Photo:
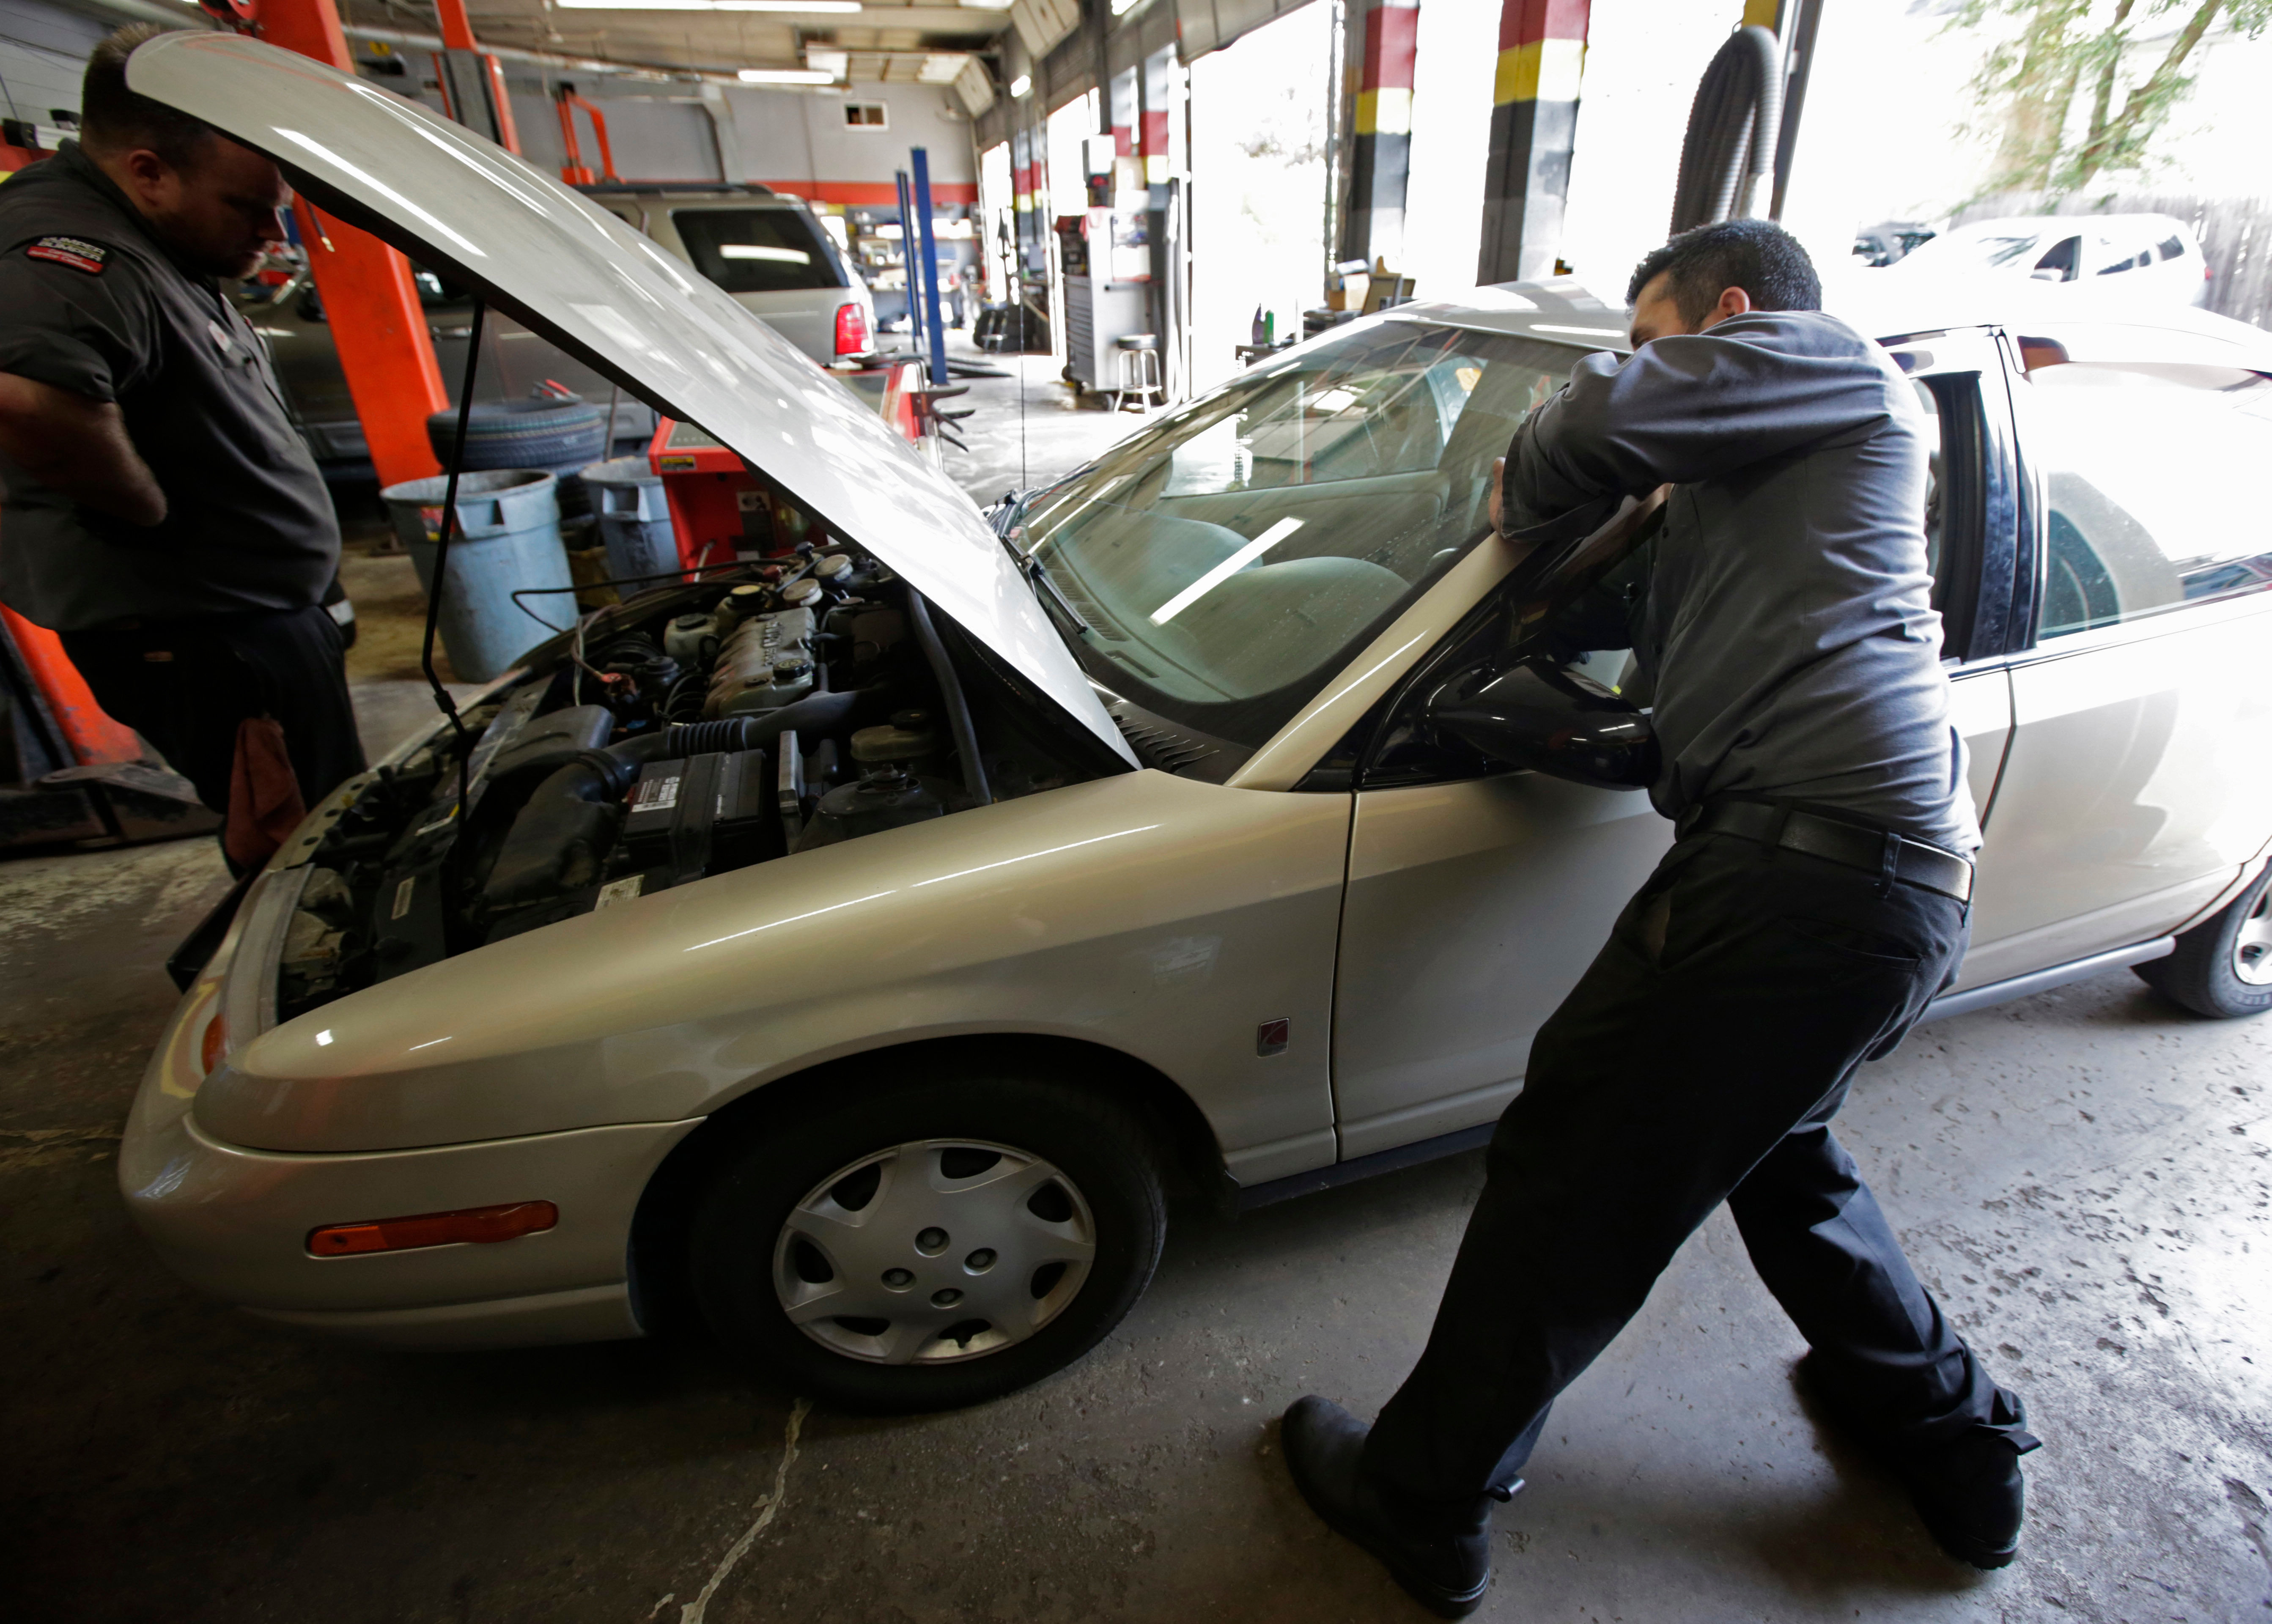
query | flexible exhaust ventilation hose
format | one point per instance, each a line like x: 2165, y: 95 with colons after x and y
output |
x: 1732, y: 126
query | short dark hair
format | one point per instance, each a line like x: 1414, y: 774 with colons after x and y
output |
x: 1758, y: 256
x: 114, y: 119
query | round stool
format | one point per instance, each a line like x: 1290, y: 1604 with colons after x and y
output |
x: 1138, y: 357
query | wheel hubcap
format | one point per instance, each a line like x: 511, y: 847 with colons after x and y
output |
x: 2252, y: 947
x: 934, y: 1250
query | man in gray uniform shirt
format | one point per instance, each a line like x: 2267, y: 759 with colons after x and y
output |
x: 162, y: 512
x: 1815, y: 900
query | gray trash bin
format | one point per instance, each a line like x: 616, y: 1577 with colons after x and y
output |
x: 508, y: 538
x: 634, y: 519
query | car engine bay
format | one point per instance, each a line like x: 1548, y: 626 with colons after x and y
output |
x: 774, y: 708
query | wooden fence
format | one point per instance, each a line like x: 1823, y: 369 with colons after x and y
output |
x: 2235, y: 233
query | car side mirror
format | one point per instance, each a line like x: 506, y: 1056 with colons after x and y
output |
x: 1536, y: 714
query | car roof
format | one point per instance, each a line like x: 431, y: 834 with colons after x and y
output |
x: 1562, y: 311
x: 2060, y: 223
x: 690, y: 190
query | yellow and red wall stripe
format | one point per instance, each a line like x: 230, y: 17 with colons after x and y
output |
x: 1380, y: 153
x: 1541, y: 58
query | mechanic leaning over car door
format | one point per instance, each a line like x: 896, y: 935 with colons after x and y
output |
x: 1814, y: 898
x: 161, y: 512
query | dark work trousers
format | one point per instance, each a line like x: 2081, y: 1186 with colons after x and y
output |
x: 1699, y: 1059
x: 184, y: 685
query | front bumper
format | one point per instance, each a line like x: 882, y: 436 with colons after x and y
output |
x: 234, y: 1222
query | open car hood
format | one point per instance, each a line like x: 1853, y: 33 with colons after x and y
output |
x: 614, y: 299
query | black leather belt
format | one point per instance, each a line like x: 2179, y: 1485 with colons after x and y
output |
x: 1875, y: 851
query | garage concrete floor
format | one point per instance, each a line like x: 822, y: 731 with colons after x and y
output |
x: 1030, y: 427
x: 2083, y: 1177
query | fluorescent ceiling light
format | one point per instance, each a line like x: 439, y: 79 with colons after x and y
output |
x: 988, y: 6
x: 832, y: 7
x: 753, y: 250
x: 786, y: 75
x: 1224, y: 570
x: 1021, y: 85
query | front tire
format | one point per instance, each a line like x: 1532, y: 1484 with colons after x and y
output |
x: 2223, y: 967
x: 929, y: 1244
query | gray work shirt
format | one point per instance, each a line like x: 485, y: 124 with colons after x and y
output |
x: 1786, y: 629
x: 96, y: 306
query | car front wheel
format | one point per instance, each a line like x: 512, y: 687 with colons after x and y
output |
x: 928, y: 1244
x: 2223, y: 967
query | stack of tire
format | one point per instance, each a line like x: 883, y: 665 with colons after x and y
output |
x: 554, y: 430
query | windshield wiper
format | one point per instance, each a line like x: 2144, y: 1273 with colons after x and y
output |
x: 1044, y: 589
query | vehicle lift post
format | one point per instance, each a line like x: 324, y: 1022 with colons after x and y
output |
x: 370, y: 301
x: 922, y: 161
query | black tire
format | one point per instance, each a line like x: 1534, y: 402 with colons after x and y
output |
x: 2208, y: 972
x: 554, y: 435
x: 739, y: 1241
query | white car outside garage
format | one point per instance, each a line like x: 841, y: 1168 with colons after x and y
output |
x: 2141, y: 258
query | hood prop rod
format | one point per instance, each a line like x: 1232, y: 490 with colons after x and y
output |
x: 958, y: 704
x: 449, y: 707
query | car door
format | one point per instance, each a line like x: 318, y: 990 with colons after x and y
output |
x: 1475, y: 902
x: 2139, y: 780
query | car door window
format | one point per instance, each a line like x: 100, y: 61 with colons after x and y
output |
x: 1969, y: 507
x: 2059, y: 264
x: 2137, y: 464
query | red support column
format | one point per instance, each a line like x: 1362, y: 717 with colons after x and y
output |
x: 1380, y: 152
x: 370, y: 301
x: 1542, y: 59
x: 456, y: 28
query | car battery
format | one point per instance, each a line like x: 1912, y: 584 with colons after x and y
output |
x: 691, y: 816
x: 719, y: 511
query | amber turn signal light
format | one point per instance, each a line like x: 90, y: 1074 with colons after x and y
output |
x: 215, y: 1043
x: 478, y: 1224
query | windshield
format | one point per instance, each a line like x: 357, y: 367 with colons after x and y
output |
x: 1231, y: 558
x: 1984, y: 250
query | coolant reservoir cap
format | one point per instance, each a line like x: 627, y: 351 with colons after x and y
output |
x: 799, y: 593
x: 894, y: 742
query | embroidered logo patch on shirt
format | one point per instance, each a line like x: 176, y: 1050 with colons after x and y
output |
x: 74, y: 251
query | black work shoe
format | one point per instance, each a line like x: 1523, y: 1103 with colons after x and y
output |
x: 1969, y: 1492
x: 1971, y: 1497
x: 1438, y: 1551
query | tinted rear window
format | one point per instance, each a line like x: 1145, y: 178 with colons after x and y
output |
x: 756, y: 251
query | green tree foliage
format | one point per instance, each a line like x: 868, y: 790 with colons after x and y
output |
x: 2064, y: 95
